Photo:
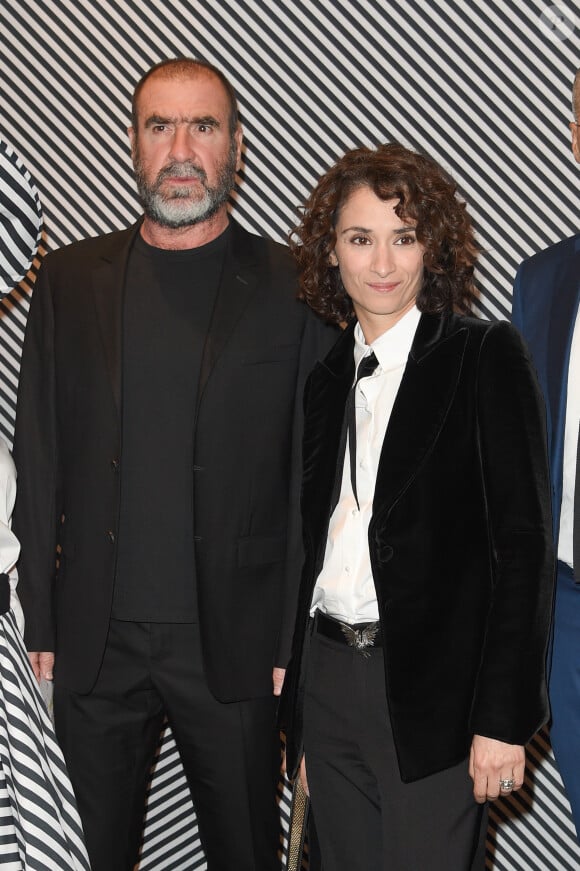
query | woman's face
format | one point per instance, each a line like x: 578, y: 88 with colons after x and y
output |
x: 380, y: 261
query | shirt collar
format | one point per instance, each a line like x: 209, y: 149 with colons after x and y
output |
x: 393, y: 346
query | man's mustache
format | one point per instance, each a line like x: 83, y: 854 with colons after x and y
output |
x: 181, y: 170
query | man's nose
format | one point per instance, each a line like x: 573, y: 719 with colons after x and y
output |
x: 182, y: 144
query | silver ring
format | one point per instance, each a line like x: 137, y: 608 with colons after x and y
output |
x: 506, y: 785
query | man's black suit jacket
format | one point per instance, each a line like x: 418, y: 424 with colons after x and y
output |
x: 459, y: 540
x: 261, y: 345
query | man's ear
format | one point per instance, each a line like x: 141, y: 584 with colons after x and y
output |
x: 575, y: 142
x: 131, y: 135
x: 238, y: 139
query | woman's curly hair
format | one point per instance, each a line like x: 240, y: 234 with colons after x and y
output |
x: 427, y: 197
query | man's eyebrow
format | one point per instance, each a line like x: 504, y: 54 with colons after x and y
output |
x: 208, y: 120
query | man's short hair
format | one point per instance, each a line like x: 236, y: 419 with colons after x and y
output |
x: 183, y: 67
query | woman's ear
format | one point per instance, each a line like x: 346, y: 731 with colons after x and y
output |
x: 332, y: 259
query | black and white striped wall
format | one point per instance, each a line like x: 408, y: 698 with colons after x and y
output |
x: 484, y: 86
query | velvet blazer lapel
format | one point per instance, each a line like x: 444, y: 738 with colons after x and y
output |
x: 108, y: 281
x: 427, y: 389
x: 426, y: 392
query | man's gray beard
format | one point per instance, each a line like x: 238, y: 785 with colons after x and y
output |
x: 177, y: 210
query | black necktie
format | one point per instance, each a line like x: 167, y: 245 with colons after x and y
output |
x: 576, y: 523
x: 366, y: 367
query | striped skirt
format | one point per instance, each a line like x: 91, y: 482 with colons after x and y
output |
x: 40, y: 828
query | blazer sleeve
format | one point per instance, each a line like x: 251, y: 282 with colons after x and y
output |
x: 37, y: 511
x: 510, y: 702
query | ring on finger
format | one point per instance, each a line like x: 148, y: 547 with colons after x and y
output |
x: 506, y: 784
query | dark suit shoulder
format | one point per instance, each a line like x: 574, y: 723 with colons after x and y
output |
x: 549, y: 275
x: 479, y: 325
x: 96, y: 246
x: 553, y: 255
x: 500, y: 334
x: 277, y: 272
x: 251, y: 249
x: 259, y: 243
x: 471, y: 322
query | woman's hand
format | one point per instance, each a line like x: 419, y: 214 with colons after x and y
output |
x: 496, y: 768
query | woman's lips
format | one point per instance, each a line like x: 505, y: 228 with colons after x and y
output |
x: 383, y: 286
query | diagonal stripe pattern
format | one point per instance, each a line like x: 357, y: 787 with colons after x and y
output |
x: 20, y: 219
x: 39, y: 823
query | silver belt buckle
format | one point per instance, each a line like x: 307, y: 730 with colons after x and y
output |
x: 360, y: 639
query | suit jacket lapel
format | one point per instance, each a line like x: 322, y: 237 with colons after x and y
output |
x: 425, y: 394
x: 427, y: 389
x: 238, y: 284
x: 108, y: 286
x: 565, y: 298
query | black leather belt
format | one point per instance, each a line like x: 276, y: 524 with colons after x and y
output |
x: 361, y: 636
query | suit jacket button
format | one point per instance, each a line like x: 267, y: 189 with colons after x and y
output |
x: 111, y: 535
x: 115, y: 465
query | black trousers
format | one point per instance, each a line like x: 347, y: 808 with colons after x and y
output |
x: 230, y: 752
x: 366, y: 818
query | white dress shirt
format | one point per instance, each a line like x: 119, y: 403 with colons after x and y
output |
x: 565, y: 538
x: 345, y: 588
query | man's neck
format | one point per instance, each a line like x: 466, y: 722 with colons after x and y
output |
x: 183, y: 238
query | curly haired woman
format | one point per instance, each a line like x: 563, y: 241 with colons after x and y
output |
x: 417, y: 673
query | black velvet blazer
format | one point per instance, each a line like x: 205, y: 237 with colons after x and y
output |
x: 459, y: 540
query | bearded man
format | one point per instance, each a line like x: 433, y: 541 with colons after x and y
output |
x: 157, y: 443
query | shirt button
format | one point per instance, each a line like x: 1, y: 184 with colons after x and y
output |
x: 347, y: 570
x: 354, y: 512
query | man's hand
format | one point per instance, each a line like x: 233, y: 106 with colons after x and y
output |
x: 42, y: 665
x: 278, y: 680
x: 492, y: 761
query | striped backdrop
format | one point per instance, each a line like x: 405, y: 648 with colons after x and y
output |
x: 482, y: 85
x: 40, y: 827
